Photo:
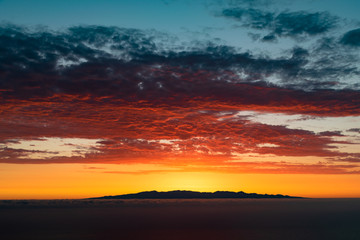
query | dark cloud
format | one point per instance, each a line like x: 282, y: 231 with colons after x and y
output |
x: 356, y: 130
x: 351, y: 158
x: 11, y: 154
x: 253, y: 18
x: 285, y: 24
x: 299, y: 23
x: 269, y: 38
x: 351, y: 38
x: 331, y: 134
x: 332, y: 61
x: 125, y: 66
x: 107, y: 61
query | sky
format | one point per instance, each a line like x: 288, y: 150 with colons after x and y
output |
x: 114, y: 97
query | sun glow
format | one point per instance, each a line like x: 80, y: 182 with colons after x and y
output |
x: 91, y: 180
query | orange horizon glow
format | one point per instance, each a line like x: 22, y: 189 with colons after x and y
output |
x: 73, y: 181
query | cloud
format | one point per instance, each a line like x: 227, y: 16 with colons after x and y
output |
x: 285, y: 24
x: 299, y: 23
x: 158, y: 133
x: 139, y: 101
x: 47, y: 148
x: 356, y: 130
x: 355, y: 158
x: 351, y: 38
x: 102, y: 61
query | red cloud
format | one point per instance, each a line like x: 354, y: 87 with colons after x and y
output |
x: 164, y: 134
x: 178, y: 117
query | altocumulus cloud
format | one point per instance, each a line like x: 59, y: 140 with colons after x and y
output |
x: 135, y: 99
x: 352, y: 38
x: 94, y: 58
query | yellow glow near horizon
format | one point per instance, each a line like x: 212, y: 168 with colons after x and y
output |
x: 57, y: 181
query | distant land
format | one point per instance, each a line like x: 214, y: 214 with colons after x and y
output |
x: 179, y: 194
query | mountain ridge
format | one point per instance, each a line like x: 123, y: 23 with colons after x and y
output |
x: 185, y: 194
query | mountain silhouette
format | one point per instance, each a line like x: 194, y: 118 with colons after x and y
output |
x: 179, y: 194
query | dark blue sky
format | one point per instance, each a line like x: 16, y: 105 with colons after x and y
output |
x: 186, y: 19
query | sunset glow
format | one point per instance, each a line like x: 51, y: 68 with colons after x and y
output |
x: 239, y: 98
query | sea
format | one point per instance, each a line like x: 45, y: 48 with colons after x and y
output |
x: 185, y: 219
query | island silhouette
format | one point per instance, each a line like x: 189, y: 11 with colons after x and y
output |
x: 183, y: 194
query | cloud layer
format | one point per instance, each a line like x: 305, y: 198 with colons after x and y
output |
x: 144, y: 101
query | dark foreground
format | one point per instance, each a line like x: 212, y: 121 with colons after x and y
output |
x: 244, y: 219
x: 181, y: 194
